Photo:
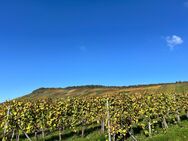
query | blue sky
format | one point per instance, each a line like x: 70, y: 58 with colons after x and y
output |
x: 58, y: 43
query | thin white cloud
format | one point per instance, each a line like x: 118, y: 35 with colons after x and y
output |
x: 186, y: 4
x: 83, y: 48
x: 173, y: 41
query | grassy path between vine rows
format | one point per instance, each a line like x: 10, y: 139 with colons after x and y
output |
x: 173, y: 133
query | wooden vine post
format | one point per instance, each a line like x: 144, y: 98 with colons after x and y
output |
x: 108, y: 120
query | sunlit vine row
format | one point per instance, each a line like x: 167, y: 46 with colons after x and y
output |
x: 126, y: 112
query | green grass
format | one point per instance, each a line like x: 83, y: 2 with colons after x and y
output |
x: 173, y: 133
x: 94, y: 136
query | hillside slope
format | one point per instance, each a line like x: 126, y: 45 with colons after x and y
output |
x: 95, y: 90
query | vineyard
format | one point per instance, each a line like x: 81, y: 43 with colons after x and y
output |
x: 117, y: 115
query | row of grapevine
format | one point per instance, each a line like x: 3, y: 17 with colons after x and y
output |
x: 117, y: 114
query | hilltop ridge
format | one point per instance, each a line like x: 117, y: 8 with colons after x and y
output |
x: 101, y: 90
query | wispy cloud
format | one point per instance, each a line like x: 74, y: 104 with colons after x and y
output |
x: 173, y: 41
x: 83, y: 48
x: 186, y: 4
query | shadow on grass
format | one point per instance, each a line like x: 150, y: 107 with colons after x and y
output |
x: 71, y: 134
x: 56, y: 137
